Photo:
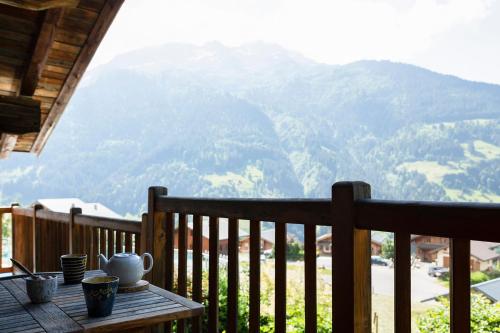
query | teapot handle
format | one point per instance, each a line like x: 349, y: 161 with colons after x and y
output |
x: 146, y: 271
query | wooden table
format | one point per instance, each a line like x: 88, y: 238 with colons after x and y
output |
x: 68, y: 313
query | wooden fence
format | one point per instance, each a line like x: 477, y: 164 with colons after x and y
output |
x: 40, y: 237
x: 351, y: 214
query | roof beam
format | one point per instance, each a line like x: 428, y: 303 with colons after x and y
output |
x: 40, y: 4
x: 7, y: 144
x: 19, y: 115
x: 104, y: 20
x: 40, y: 51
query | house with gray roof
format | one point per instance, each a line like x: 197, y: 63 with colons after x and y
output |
x: 483, y: 256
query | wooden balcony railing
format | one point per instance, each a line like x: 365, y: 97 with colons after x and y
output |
x: 40, y: 237
x: 351, y: 214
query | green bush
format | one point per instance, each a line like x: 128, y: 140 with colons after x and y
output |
x: 294, y: 251
x: 493, y: 274
x: 388, y: 249
x: 485, y: 317
x: 478, y: 277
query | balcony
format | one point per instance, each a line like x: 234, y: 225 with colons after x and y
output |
x: 39, y: 237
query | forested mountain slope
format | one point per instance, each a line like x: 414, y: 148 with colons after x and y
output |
x: 261, y: 121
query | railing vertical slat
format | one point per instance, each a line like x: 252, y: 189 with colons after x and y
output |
x: 402, y: 283
x: 37, y: 240
x: 460, y: 286
x: 102, y: 242
x: 169, y: 258
x: 128, y: 242
x: 213, y: 276
x: 88, y: 246
x: 60, y: 245
x: 119, y: 241
x: 351, y: 274
x: 182, y: 265
x: 232, y: 276
x: 137, y: 243
x: 95, y: 247
x: 169, y: 252
x: 280, y: 279
x: 310, y: 278
x: 254, y: 315
x: 197, y: 267
x: 111, y: 242
x: 73, y: 231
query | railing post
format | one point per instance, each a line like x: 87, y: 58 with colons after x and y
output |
x: 153, y: 240
x: 351, y: 261
x: 71, y: 229
x: 36, y: 247
x: 460, y: 285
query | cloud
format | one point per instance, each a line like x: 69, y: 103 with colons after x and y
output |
x: 332, y: 31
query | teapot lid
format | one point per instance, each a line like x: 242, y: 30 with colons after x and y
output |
x: 124, y: 255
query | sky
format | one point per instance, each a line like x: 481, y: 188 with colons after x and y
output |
x: 459, y: 37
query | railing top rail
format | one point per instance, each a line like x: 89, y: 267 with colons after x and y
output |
x: 109, y: 223
x: 22, y: 211
x: 81, y: 219
x: 4, y: 210
x: 477, y: 221
x: 300, y: 211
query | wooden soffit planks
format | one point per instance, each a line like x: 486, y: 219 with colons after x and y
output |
x: 40, y: 4
x: 41, y: 51
x: 102, y: 23
x: 19, y: 115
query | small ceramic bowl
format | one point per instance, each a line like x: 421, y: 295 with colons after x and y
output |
x: 41, y: 290
x: 100, y: 294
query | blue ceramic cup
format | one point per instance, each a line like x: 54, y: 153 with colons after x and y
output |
x: 100, y: 294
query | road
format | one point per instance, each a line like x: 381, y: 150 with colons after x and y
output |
x: 422, y: 285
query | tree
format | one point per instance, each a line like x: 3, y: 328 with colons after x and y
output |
x: 388, y: 248
x: 294, y: 250
x: 485, y: 317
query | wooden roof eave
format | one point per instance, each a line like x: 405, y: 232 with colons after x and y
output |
x: 100, y: 28
x: 45, y: 47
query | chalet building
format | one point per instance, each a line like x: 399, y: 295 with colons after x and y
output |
x: 267, y: 238
x: 324, y: 244
x: 376, y: 243
x: 65, y: 205
x: 223, y: 237
x: 426, y: 248
x: 483, y: 256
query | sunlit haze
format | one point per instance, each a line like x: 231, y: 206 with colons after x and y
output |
x: 458, y: 37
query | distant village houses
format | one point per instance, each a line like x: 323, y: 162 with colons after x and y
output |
x: 223, y: 237
x: 266, y: 241
x: 426, y: 248
x: 324, y: 244
x: 483, y: 256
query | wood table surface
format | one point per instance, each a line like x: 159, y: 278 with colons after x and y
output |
x: 68, y: 313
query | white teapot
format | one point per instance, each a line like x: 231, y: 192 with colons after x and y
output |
x: 129, y: 267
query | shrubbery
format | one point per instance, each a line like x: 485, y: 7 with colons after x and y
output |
x: 485, y: 317
x: 388, y: 249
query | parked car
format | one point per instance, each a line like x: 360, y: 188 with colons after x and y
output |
x: 437, y: 271
x: 377, y: 260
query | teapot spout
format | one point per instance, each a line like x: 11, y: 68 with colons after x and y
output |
x: 103, y: 262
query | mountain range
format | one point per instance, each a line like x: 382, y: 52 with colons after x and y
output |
x: 262, y: 121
